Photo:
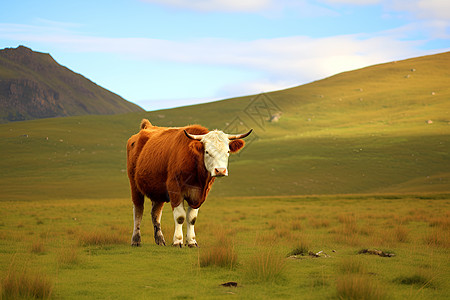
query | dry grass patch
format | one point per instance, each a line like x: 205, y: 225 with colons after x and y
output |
x: 266, y: 239
x: 358, y: 286
x: 283, y: 233
x: 102, y: 238
x: 437, y: 238
x: 319, y: 223
x: 352, y: 265
x: 221, y: 254
x: 68, y: 256
x: 296, y: 225
x: 347, y: 239
x: 265, y: 266
x: 37, y: 247
x: 443, y: 222
x: 21, y: 283
x: 348, y: 225
x: 400, y: 234
x: 346, y: 218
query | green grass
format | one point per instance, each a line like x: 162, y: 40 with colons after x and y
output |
x: 114, y: 269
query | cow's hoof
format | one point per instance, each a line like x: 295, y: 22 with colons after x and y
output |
x: 136, y: 240
x: 194, y: 245
x: 177, y: 245
x: 159, y: 240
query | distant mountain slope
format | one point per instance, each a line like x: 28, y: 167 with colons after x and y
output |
x: 401, y: 93
x: 33, y: 85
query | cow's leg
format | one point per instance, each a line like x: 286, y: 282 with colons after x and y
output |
x: 156, y: 219
x: 179, y: 215
x: 138, y: 211
x: 191, y: 218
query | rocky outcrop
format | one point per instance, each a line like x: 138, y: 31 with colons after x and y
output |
x: 33, y: 85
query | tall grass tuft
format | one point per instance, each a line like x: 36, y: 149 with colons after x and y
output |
x: 101, y: 238
x: 358, y: 286
x: 221, y: 254
x: 443, y: 222
x: 68, y: 256
x: 348, y: 231
x: 319, y: 223
x: 352, y: 265
x: 438, y: 238
x: 21, y: 283
x: 296, y: 225
x: 265, y: 266
x: 401, y: 233
x: 37, y: 247
x: 302, y: 248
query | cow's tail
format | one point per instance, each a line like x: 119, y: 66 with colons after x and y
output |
x: 145, y: 124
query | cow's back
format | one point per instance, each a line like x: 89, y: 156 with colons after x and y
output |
x: 148, y: 160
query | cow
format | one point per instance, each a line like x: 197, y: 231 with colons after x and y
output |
x: 176, y: 164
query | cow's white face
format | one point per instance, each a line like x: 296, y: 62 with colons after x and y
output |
x: 217, y: 151
x: 217, y: 146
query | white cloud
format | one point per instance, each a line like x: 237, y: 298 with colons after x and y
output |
x: 287, y: 60
x: 353, y: 2
x: 216, y: 5
x: 424, y: 9
x: 268, y: 8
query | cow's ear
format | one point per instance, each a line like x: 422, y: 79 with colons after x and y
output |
x: 196, y: 147
x: 236, y: 145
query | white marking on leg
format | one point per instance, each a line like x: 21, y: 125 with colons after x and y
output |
x: 191, y: 218
x: 179, y: 215
x: 137, y: 214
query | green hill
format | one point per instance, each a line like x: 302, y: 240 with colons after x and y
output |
x: 381, y: 129
x: 33, y: 85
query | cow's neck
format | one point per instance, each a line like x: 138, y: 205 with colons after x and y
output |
x: 201, y: 186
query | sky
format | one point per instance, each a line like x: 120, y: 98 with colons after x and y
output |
x: 168, y: 53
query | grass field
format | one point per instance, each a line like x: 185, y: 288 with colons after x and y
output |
x: 80, y: 248
x: 351, y: 166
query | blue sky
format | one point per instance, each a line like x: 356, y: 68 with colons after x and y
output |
x: 168, y: 53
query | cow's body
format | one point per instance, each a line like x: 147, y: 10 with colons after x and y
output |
x: 169, y: 165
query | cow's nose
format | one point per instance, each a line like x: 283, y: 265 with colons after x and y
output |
x: 220, y: 172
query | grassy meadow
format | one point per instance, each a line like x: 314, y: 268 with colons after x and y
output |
x: 351, y: 166
x: 80, y: 249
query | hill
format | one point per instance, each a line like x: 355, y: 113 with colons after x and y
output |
x: 380, y: 129
x: 33, y: 85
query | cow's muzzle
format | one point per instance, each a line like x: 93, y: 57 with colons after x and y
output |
x: 220, y: 172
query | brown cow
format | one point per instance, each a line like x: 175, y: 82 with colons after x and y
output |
x: 169, y: 164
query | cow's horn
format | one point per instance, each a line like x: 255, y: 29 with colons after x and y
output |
x: 239, y: 136
x: 193, y: 136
